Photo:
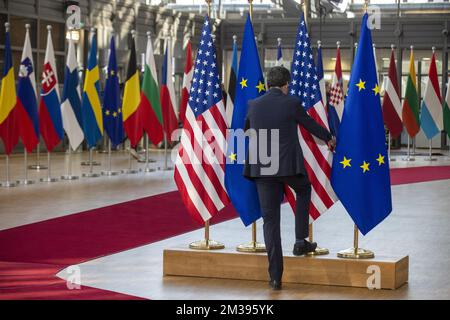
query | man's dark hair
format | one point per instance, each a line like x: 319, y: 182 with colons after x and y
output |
x: 278, y: 76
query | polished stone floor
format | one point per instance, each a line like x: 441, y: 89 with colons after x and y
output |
x: 418, y: 226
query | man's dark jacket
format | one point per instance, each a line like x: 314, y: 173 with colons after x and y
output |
x: 275, y: 110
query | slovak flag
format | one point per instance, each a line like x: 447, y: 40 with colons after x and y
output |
x: 50, y: 120
x: 27, y: 98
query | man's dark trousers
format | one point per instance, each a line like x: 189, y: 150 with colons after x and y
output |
x: 270, y: 191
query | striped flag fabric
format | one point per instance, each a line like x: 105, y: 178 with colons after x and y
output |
x: 50, y: 119
x: 187, y: 78
x: 9, y: 131
x: 279, y: 61
x: 167, y: 94
x: 410, y: 109
x: 150, y: 104
x: 446, y: 110
x: 232, y: 83
x: 336, y: 99
x: 112, y: 103
x: 323, y: 92
x: 318, y: 159
x: 431, y: 118
x: 27, y: 111
x: 199, y: 171
x: 392, y: 105
x: 91, y: 107
x: 132, y: 121
x: 71, y: 101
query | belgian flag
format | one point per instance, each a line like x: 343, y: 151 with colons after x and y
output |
x: 132, y: 121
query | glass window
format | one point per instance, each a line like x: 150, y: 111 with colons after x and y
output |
x: 58, y: 35
x: 18, y: 31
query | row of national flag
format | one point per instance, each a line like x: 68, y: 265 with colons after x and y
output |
x: 85, y: 115
x: 208, y: 172
x: 433, y: 115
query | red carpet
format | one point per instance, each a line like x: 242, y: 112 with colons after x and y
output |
x: 419, y: 174
x: 31, y: 255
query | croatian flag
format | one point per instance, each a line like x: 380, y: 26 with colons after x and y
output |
x: 71, y: 105
x: 27, y: 98
x: 431, y: 118
x: 50, y: 121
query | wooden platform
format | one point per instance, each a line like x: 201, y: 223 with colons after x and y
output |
x: 323, y: 270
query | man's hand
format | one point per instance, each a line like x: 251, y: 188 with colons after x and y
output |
x: 331, y: 144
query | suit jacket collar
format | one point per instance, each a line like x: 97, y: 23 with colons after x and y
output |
x: 276, y: 91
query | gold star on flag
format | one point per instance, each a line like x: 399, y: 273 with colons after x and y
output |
x: 260, y: 87
x: 232, y: 157
x: 114, y: 114
x: 112, y: 72
x: 107, y: 112
x: 243, y: 83
x: 346, y: 163
x: 119, y: 110
x: 361, y: 85
x: 380, y: 159
x: 376, y: 90
x: 365, y: 166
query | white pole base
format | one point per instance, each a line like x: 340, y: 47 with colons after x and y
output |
x: 8, y: 184
x: 110, y: 173
x: 49, y: 179
x: 69, y: 177
x: 90, y: 175
x: 37, y: 167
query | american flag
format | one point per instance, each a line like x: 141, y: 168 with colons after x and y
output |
x: 318, y: 159
x: 200, y: 163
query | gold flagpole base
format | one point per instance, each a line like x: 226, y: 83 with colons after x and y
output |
x: 359, y: 253
x: 206, y: 245
x: 251, y: 247
x: 319, y: 252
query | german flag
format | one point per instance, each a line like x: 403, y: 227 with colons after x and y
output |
x: 9, y: 131
x: 132, y: 121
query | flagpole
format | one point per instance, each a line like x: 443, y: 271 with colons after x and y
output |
x: 25, y: 167
x: 356, y: 252
x: 69, y: 175
x: 91, y: 173
x: 389, y: 148
x: 147, y: 160
x: 7, y: 183
x: 206, y: 243
x: 254, y: 245
x: 109, y: 172
x: 37, y: 166
x: 49, y: 177
x: 430, y: 158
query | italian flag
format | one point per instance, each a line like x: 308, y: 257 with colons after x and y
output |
x: 410, y: 111
x: 150, y: 104
x: 446, y: 107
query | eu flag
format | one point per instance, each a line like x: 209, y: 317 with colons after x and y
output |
x: 249, y: 85
x: 112, y: 113
x: 360, y: 173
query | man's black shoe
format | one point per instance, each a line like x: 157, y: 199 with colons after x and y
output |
x: 307, y: 247
x: 275, y: 285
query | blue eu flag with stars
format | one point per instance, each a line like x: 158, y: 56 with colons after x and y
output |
x: 360, y: 173
x: 249, y: 85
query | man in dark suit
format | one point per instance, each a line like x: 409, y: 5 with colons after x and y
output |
x: 273, y: 112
